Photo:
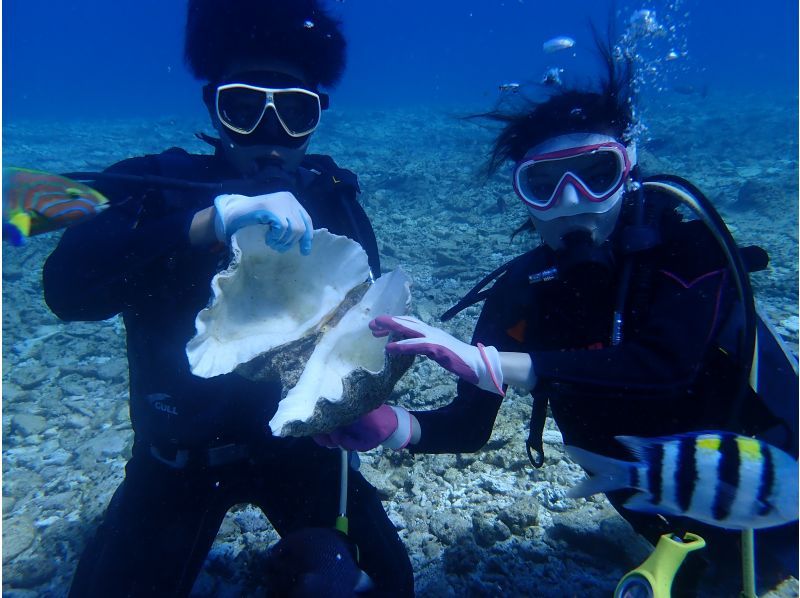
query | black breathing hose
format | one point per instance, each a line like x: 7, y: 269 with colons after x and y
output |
x: 694, y: 199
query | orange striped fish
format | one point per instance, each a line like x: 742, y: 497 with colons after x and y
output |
x: 37, y: 202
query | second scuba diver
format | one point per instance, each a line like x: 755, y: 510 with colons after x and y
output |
x: 626, y: 319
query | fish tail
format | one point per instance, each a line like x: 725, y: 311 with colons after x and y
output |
x: 22, y: 222
x: 607, y: 474
x: 12, y: 235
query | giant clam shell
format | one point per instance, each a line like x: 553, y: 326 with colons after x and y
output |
x: 302, y: 320
x: 265, y: 299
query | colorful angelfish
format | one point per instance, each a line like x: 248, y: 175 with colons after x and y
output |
x: 37, y: 202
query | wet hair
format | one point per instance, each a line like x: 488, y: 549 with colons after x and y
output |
x: 571, y: 110
x: 220, y: 33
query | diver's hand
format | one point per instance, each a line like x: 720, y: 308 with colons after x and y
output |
x: 388, y: 426
x: 288, y: 221
x: 478, y: 365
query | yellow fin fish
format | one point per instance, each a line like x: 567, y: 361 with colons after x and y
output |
x: 37, y: 202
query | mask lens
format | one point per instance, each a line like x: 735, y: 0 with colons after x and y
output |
x: 539, y: 180
x: 599, y: 170
x: 299, y: 111
x: 241, y: 107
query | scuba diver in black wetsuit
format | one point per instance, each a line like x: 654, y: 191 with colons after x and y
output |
x: 628, y: 319
x: 202, y: 446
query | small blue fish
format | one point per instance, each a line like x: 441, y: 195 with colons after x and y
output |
x: 561, y: 42
x: 719, y: 478
x: 509, y: 87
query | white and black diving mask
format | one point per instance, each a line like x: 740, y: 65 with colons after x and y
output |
x: 264, y: 119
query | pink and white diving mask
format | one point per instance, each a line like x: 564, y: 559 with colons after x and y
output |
x: 595, y: 168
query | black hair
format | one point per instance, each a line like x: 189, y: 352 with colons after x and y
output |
x: 298, y: 32
x: 609, y: 110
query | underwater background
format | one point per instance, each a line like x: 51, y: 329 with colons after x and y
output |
x: 90, y: 82
x: 95, y: 58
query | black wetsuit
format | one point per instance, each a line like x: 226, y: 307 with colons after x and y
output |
x: 201, y: 445
x: 668, y: 376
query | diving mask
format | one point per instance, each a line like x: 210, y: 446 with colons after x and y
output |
x: 241, y: 107
x: 595, y: 171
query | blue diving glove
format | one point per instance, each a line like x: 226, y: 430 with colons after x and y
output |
x: 288, y: 221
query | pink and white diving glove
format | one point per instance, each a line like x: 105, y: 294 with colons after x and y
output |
x: 478, y: 365
x: 387, y: 426
x: 288, y: 221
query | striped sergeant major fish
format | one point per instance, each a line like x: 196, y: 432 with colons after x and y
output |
x: 37, y: 202
x: 719, y: 478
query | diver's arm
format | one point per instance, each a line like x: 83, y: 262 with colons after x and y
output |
x: 96, y: 269
x: 465, y: 425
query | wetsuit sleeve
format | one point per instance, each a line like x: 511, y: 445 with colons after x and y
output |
x: 97, y: 266
x: 465, y: 425
x: 664, y: 356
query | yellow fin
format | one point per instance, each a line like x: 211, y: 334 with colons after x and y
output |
x: 749, y: 448
x: 23, y: 222
x: 708, y: 442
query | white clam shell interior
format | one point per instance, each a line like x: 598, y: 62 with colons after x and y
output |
x: 348, y: 346
x: 265, y: 299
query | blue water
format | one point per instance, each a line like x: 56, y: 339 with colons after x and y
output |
x: 77, y: 76
x: 101, y: 58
